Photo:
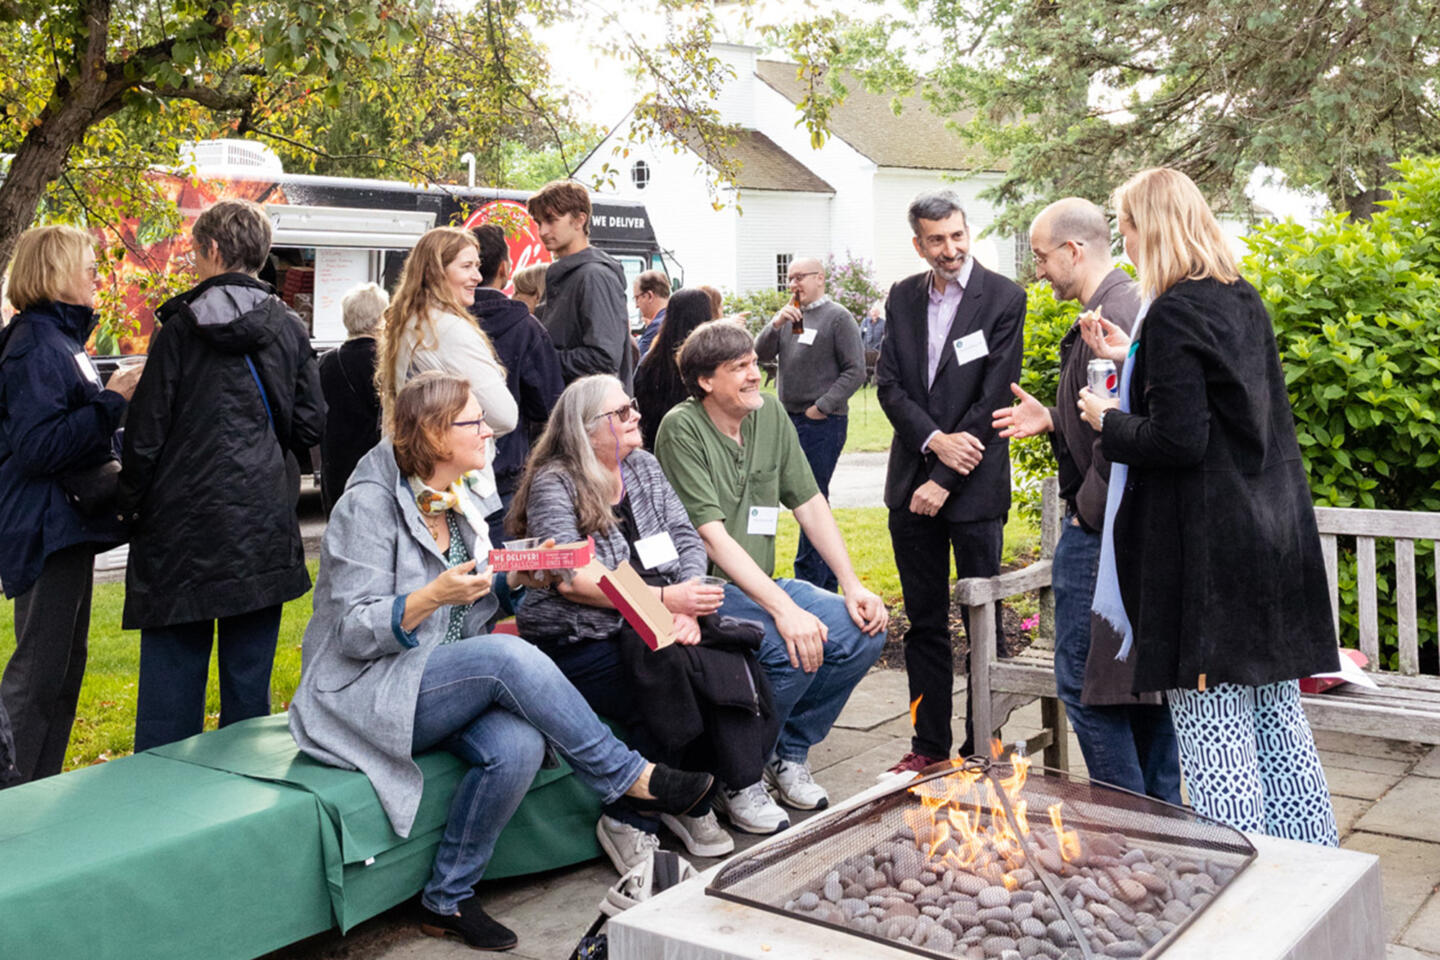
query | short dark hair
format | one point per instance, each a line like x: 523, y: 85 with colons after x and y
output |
x: 934, y: 205
x: 708, y: 347
x: 240, y: 231
x: 653, y: 281
x: 493, y: 251
x: 560, y: 198
x: 423, y: 411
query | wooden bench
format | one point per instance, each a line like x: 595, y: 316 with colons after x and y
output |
x: 1405, y: 707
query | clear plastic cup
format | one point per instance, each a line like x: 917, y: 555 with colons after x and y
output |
x: 708, y: 581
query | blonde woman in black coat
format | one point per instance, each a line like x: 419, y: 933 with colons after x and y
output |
x: 1210, y: 560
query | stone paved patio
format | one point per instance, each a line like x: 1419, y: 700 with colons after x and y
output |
x: 1386, y: 793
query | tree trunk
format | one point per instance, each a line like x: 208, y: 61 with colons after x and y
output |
x: 1366, y: 203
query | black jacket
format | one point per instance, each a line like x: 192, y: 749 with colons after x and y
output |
x: 708, y: 703
x: 1215, y: 541
x: 1083, y: 470
x: 586, y: 315
x: 210, y: 486
x: 352, y: 413
x: 532, y: 372
x: 54, y: 417
x: 961, y: 397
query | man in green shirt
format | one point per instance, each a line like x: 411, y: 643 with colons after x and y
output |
x: 734, y: 458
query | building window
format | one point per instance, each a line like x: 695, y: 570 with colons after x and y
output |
x: 782, y: 270
x: 640, y: 174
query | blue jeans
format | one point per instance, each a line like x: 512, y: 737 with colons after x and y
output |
x: 1129, y: 745
x: 822, y: 441
x: 807, y: 703
x: 494, y: 701
x: 175, y: 666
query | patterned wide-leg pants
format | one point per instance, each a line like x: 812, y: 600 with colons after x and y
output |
x: 1250, y: 760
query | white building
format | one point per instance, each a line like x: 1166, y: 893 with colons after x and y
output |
x: 791, y: 200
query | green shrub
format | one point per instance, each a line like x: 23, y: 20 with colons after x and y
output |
x: 1354, y: 305
x: 760, y: 304
x: 1033, y: 459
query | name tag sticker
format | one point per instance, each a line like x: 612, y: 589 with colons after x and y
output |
x: 87, y: 367
x: 970, y: 347
x: 763, y: 521
x: 807, y: 337
x: 656, y: 550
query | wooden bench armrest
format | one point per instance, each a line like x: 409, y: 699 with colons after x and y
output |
x: 973, y: 591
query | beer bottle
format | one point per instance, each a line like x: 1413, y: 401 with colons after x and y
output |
x: 797, y: 326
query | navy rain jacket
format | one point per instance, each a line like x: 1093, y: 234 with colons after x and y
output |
x: 54, y: 417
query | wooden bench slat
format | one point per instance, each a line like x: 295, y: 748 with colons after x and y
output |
x: 1365, y: 581
x: 1378, y: 523
x: 1405, y: 606
x: 1330, y: 551
x: 978, y: 591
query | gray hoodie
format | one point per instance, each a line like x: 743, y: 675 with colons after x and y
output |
x: 585, y: 315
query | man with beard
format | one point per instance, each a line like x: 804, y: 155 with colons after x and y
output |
x: 954, y: 336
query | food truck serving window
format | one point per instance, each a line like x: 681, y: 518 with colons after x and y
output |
x: 319, y: 254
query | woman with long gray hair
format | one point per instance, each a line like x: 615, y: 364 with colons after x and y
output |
x: 590, y: 477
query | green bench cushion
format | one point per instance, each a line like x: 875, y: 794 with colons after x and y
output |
x: 233, y: 843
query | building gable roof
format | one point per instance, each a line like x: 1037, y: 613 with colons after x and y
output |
x: 763, y: 165
x: 915, y: 138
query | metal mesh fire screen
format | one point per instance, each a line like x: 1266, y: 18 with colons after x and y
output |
x: 998, y: 859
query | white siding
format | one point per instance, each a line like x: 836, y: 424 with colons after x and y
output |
x: 700, y: 238
x: 837, y: 163
x: 772, y: 223
x: 895, y: 187
x: 736, y: 102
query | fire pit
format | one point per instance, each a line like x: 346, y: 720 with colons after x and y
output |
x: 998, y: 860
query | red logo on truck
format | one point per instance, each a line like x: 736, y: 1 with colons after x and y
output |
x: 522, y: 234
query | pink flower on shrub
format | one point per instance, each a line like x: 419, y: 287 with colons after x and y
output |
x: 1030, y: 623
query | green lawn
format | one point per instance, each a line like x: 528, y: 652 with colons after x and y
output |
x: 868, y: 431
x: 105, y: 721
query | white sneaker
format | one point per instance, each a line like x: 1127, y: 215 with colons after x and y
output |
x: 626, y: 846
x: 702, y: 836
x: 795, y: 786
x: 751, y: 809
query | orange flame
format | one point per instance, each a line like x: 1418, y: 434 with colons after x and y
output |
x: 1069, y: 840
x: 915, y: 707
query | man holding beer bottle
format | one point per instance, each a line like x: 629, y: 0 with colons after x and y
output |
x: 821, y: 364
x: 1127, y: 740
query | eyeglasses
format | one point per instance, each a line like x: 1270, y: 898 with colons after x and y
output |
x: 625, y: 414
x: 797, y: 277
x: 1039, y: 258
x: 479, y: 425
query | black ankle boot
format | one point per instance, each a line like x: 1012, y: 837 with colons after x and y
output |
x: 472, y: 924
x: 676, y: 792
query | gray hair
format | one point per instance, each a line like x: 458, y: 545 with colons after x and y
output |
x: 708, y: 346
x: 934, y: 205
x: 362, y: 307
x: 240, y: 231
x: 565, y: 445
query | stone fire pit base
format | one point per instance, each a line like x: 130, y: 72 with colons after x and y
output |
x: 1297, y: 901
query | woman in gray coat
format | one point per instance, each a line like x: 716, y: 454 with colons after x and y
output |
x: 395, y: 661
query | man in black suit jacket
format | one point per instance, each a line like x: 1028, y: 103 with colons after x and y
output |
x: 953, y: 342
